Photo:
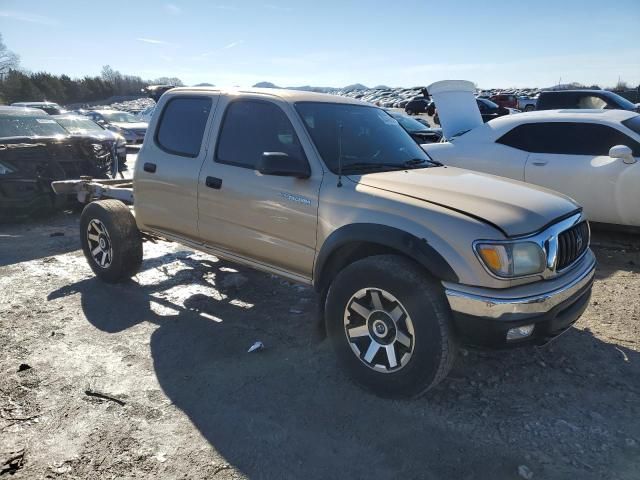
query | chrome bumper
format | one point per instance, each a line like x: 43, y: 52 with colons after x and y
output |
x: 503, y: 306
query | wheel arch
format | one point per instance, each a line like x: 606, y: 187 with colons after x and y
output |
x: 356, y: 241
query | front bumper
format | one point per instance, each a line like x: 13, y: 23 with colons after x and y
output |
x: 484, y: 316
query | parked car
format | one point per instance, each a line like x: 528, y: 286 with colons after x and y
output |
x: 84, y: 127
x: 408, y: 257
x: 506, y: 100
x: 589, y: 155
x: 571, y: 99
x: 34, y: 151
x: 146, y: 114
x: 420, y: 132
x: 123, y: 123
x: 50, y: 107
x: 527, y: 104
x: 417, y: 105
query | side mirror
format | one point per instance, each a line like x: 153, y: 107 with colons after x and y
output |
x: 623, y: 152
x: 282, y: 165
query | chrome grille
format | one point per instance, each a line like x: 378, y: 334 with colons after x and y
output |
x: 572, y: 243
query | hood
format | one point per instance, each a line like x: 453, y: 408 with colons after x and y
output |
x: 131, y: 126
x: 513, y: 207
x: 457, y: 106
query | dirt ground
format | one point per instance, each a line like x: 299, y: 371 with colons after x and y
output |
x: 152, y: 379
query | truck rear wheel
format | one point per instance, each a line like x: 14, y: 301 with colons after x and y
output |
x: 111, y: 241
x: 390, y: 326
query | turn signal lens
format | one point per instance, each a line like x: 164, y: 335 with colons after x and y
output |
x: 512, y: 260
x: 495, y: 257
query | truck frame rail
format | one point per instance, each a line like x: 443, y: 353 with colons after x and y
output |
x: 88, y: 189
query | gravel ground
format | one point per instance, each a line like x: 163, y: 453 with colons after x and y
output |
x: 152, y: 379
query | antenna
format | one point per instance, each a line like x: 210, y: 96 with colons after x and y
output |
x: 339, y: 154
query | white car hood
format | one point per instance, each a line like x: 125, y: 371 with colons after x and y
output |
x: 457, y: 106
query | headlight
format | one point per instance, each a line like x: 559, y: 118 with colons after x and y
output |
x: 511, y: 260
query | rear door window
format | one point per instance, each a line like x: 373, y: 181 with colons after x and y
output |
x: 182, y: 125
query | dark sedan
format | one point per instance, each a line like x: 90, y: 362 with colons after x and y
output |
x: 420, y: 132
x: 81, y: 126
x: 34, y: 151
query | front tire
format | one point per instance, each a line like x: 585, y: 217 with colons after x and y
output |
x: 390, y: 326
x: 111, y: 241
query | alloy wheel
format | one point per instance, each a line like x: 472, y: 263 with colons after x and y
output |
x: 99, y: 243
x: 379, y: 330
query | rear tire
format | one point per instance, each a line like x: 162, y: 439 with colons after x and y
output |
x: 390, y: 325
x: 409, y: 111
x: 111, y: 241
x: 529, y: 108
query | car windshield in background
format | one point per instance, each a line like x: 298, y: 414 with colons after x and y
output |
x: 25, y: 126
x: 491, y: 105
x: 633, y: 123
x: 623, y: 102
x: 409, y: 123
x: 79, y: 126
x: 120, y: 117
x: 368, y: 137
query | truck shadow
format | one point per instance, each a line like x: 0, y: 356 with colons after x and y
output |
x: 288, y: 412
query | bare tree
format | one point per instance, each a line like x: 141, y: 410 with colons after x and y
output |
x: 8, y: 59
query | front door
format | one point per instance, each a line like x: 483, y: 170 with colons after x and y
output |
x: 266, y: 219
x: 573, y: 158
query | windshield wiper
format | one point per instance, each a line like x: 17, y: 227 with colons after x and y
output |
x: 419, y: 161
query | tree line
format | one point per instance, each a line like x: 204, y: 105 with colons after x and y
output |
x: 17, y: 85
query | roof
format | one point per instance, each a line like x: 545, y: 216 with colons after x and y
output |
x: 291, y: 96
x: 25, y: 111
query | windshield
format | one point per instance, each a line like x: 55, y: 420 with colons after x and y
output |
x: 621, y: 101
x: 119, y: 117
x: 488, y: 103
x: 366, y: 136
x: 25, y: 126
x: 408, y: 123
x: 79, y: 126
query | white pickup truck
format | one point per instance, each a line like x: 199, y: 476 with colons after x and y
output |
x: 409, y: 258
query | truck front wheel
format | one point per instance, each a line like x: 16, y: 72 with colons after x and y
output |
x: 111, y: 241
x: 390, y: 326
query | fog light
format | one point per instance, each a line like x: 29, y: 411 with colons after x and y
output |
x: 519, y: 332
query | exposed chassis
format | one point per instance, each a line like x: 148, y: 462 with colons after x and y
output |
x: 88, y: 189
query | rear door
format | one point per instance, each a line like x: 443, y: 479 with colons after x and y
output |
x: 266, y: 219
x: 168, y: 165
x: 573, y: 158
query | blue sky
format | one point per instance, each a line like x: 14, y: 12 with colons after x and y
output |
x: 332, y: 43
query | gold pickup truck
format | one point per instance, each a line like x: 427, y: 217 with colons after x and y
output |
x: 409, y: 258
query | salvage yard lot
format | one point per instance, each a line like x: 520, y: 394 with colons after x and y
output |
x: 152, y: 378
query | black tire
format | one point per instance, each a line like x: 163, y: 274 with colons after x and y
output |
x: 120, y: 247
x: 408, y: 111
x: 422, y: 298
x: 529, y: 108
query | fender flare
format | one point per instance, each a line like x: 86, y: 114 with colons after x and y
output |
x: 404, y: 242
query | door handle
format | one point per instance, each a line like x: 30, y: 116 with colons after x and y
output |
x: 540, y: 163
x: 213, y: 182
x: 150, y: 167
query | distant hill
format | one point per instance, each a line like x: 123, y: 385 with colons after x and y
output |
x: 265, y: 85
x: 204, y: 85
x: 355, y: 86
